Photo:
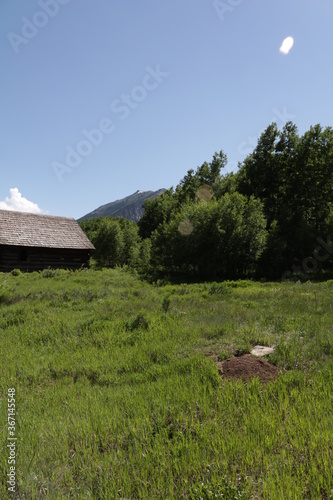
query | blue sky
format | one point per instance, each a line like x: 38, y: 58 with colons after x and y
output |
x: 165, y: 84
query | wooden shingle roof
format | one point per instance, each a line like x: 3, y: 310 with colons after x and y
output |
x: 31, y: 230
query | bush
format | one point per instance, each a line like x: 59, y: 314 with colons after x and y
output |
x: 139, y: 322
x: 49, y: 273
x: 166, y: 303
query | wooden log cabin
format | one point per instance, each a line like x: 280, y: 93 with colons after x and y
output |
x: 31, y: 242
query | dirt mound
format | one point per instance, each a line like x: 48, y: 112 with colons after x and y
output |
x: 247, y: 367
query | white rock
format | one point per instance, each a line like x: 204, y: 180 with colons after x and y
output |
x: 261, y: 350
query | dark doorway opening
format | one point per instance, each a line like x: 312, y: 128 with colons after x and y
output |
x: 23, y: 255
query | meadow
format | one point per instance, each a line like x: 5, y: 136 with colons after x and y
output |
x: 118, y: 394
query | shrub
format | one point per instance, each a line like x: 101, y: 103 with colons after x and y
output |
x: 139, y: 322
x: 49, y: 273
x: 166, y: 303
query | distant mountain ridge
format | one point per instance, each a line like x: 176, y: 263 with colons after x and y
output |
x: 130, y: 207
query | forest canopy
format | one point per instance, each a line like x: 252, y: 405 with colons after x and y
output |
x: 271, y: 219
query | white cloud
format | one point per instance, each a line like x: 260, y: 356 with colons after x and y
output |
x: 18, y: 203
x: 287, y: 45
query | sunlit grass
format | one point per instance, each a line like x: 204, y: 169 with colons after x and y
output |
x: 118, y: 395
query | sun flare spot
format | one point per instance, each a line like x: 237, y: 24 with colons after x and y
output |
x: 287, y: 45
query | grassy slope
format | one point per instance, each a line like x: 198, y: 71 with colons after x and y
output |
x: 117, y: 396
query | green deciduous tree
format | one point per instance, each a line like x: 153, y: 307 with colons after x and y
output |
x: 218, y: 239
x: 116, y: 240
x: 156, y: 211
x: 108, y: 242
x: 208, y: 174
x: 293, y: 177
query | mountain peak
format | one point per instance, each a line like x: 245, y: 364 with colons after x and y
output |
x: 130, y: 207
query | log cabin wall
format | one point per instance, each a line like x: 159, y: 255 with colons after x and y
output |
x: 37, y: 259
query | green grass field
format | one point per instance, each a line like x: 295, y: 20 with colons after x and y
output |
x: 118, y: 395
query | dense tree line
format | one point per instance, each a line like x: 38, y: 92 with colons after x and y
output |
x: 117, y: 243
x: 261, y: 221
x: 293, y: 177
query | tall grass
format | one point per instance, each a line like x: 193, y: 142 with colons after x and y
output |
x: 118, y: 395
